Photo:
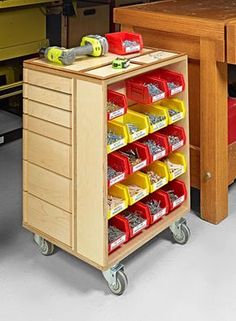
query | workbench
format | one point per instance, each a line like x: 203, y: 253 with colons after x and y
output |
x: 206, y: 32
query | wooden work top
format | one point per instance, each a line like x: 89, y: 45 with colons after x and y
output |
x: 223, y: 10
x: 189, y: 19
x: 101, y: 68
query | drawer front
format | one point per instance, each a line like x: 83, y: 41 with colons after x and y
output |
x: 48, y: 153
x: 50, y: 130
x: 48, y: 186
x: 48, y: 219
x: 42, y: 79
x: 47, y: 96
x: 48, y: 113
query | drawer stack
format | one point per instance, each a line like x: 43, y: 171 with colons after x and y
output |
x: 48, y: 154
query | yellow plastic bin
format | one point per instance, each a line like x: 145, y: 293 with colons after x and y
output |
x: 155, y: 110
x: 140, y: 180
x: 178, y: 159
x: 177, y: 105
x: 161, y: 170
x: 119, y: 191
x: 119, y: 129
x: 139, y: 120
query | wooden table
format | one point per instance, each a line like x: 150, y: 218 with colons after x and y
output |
x: 206, y: 31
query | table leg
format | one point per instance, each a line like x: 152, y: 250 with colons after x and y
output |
x: 213, y: 134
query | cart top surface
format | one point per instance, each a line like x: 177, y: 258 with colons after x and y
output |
x: 101, y: 67
x: 222, y: 10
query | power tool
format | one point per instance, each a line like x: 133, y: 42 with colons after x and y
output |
x: 92, y: 45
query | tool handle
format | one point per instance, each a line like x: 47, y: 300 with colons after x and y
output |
x: 84, y: 50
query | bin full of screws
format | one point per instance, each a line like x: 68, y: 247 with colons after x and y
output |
x: 114, y: 202
x: 174, y: 87
x: 113, y: 137
x: 154, y: 91
x: 156, y: 150
x: 136, y: 192
x: 155, y: 119
x: 132, y: 128
x: 134, y: 158
x: 174, y: 198
x: 153, y: 177
x: 174, y: 169
x: 112, y: 107
x: 136, y: 221
x: 156, y: 210
x: 115, y: 237
x: 175, y: 142
x: 130, y: 46
x: 114, y: 176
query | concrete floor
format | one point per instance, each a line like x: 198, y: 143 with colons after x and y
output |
x: 167, y: 282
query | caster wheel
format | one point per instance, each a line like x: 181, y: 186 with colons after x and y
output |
x: 121, y: 283
x: 46, y: 248
x: 183, y: 235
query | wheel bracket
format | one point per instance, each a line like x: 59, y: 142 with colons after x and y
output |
x: 111, y: 274
x: 176, y: 226
x: 38, y: 239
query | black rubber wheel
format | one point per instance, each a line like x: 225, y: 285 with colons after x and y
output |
x: 121, y: 283
x: 183, y: 236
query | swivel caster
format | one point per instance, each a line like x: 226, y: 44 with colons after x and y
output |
x: 46, y: 248
x: 116, y: 279
x: 180, y: 231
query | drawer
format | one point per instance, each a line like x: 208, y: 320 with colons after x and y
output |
x: 42, y: 79
x: 48, y: 113
x: 47, y: 153
x: 47, y: 96
x: 50, y: 130
x: 48, y: 186
x: 48, y: 219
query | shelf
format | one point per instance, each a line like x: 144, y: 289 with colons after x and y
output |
x: 147, y: 235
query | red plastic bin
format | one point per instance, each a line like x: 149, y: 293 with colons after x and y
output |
x: 170, y: 76
x: 158, y: 196
x: 136, y: 91
x: 142, y: 211
x: 123, y: 226
x: 179, y: 189
x: 231, y: 120
x: 118, y: 99
x: 115, y: 41
x: 159, y: 139
x: 143, y: 154
x: 120, y: 164
x: 173, y: 130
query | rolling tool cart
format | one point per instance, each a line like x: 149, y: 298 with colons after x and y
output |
x: 101, y: 204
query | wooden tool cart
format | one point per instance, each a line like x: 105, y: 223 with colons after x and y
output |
x: 205, y: 31
x: 65, y: 157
